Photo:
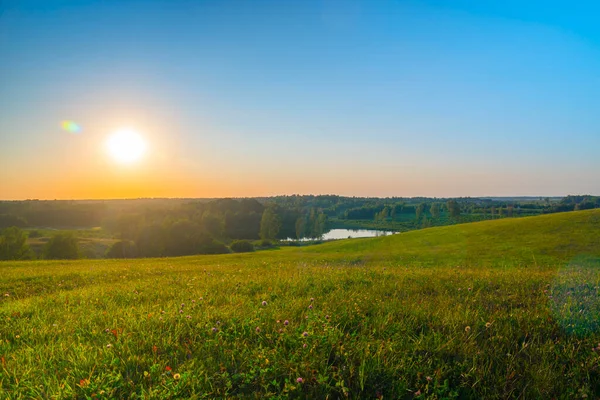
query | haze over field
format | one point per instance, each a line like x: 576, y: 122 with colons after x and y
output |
x: 234, y: 98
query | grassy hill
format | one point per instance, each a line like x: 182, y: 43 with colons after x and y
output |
x: 495, y: 309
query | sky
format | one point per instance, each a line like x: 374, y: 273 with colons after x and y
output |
x: 259, y: 98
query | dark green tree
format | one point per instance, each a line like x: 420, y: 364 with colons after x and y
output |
x: 242, y: 246
x: 62, y: 246
x: 13, y: 244
x: 419, y: 209
x: 122, y: 249
x: 453, y: 208
x: 300, y: 227
x: 270, y: 224
x: 435, y: 210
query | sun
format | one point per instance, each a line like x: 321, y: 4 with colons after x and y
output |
x: 126, y: 146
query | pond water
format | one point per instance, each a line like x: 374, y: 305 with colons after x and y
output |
x: 335, y: 234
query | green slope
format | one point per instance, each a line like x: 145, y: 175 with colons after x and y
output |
x: 537, y: 240
x: 498, y: 309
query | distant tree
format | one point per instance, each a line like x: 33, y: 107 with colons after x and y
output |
x: 435, y: 210
x: 151, y: 240
x: 300, y: 227
x: 393, y: 213
x: 320, y: 226
x: 510, y: 210
x: 419, y: 210
x: 62, y: 246
x: 241, y: 246
x: 8, y: 220
x: 385, y: 213
x: 500, y: 212
x: 122, y: 249
x: 213, y: 224
x: 182, y: 238
x: 270, y: 224
x: 13, y: 244
x: 493, y: 211
x: 453, y: 208
x: 128, y: 225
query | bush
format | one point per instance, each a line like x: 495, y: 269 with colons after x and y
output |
x: 242, y: 246
x: 62, y: 246
x: 122, y: 249
x: 13, y: 244
x: 208, y: 245
x: 266, y: 243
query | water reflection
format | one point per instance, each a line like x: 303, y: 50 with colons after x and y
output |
x: 336, y: 234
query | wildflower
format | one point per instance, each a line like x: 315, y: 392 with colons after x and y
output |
x: 304, y: 345
x: 188, y: 316
x: 299, y: 380
x: 280, y: 330
x: 264, y: 303
x: 218, y: 322
x: 201, y: 298
x: 429, y: 378
x: 108, y: 346
x: 418, y: 393
x: 278, y: 321
x: 193, y: 301
x: 214, y: 330
x: 470, y: 289
x: 467, y: 329
x: 162, y: 311
x: 168, y: 368
x: 312, y: 299
x: 488, y: 324
x: 180, y: 311
x: 107, y: 330
x: 257, y: 329
x: 310, y: 307
x: 305, y: 334
x: 6, y: 295
x: 327, y: 317
x: 176, y: 376
x: 286, y: 322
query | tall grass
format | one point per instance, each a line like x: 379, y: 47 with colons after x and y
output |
x: 498, y: 309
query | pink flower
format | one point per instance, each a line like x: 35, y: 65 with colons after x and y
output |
x: 299, y: 380
x: 304, y: 346
x: 214, y: 330
x: 257, y: 329
x: 305, y: 334
x: 286, y: 322
x: 310, y: 307
x: 264, y: 303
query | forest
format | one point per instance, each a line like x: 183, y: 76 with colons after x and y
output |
x: 177, y: 227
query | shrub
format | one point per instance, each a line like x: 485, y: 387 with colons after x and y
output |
x: 266, y: 243
x: 122, y: 249
x: 62, y: 246
x: 242, y: 246
x: 13, y: 244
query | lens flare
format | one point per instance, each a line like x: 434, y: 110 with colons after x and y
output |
x: 70, y: 126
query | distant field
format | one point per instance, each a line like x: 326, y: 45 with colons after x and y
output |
x: 496, y: 309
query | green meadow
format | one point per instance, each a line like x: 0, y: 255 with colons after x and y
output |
x: 497, y: 309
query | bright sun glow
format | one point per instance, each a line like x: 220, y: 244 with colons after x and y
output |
x: 126, y: 146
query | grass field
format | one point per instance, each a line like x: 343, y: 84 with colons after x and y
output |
x: 496, y: 309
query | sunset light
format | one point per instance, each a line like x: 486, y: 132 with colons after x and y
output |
x: 126, y: 146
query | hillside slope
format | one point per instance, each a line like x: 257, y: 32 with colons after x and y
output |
x: 415, y: 315
x: 539, y: 240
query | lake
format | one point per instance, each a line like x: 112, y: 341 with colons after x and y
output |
x: 336, y: 234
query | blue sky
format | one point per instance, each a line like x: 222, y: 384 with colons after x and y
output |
x: 245, y: 98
